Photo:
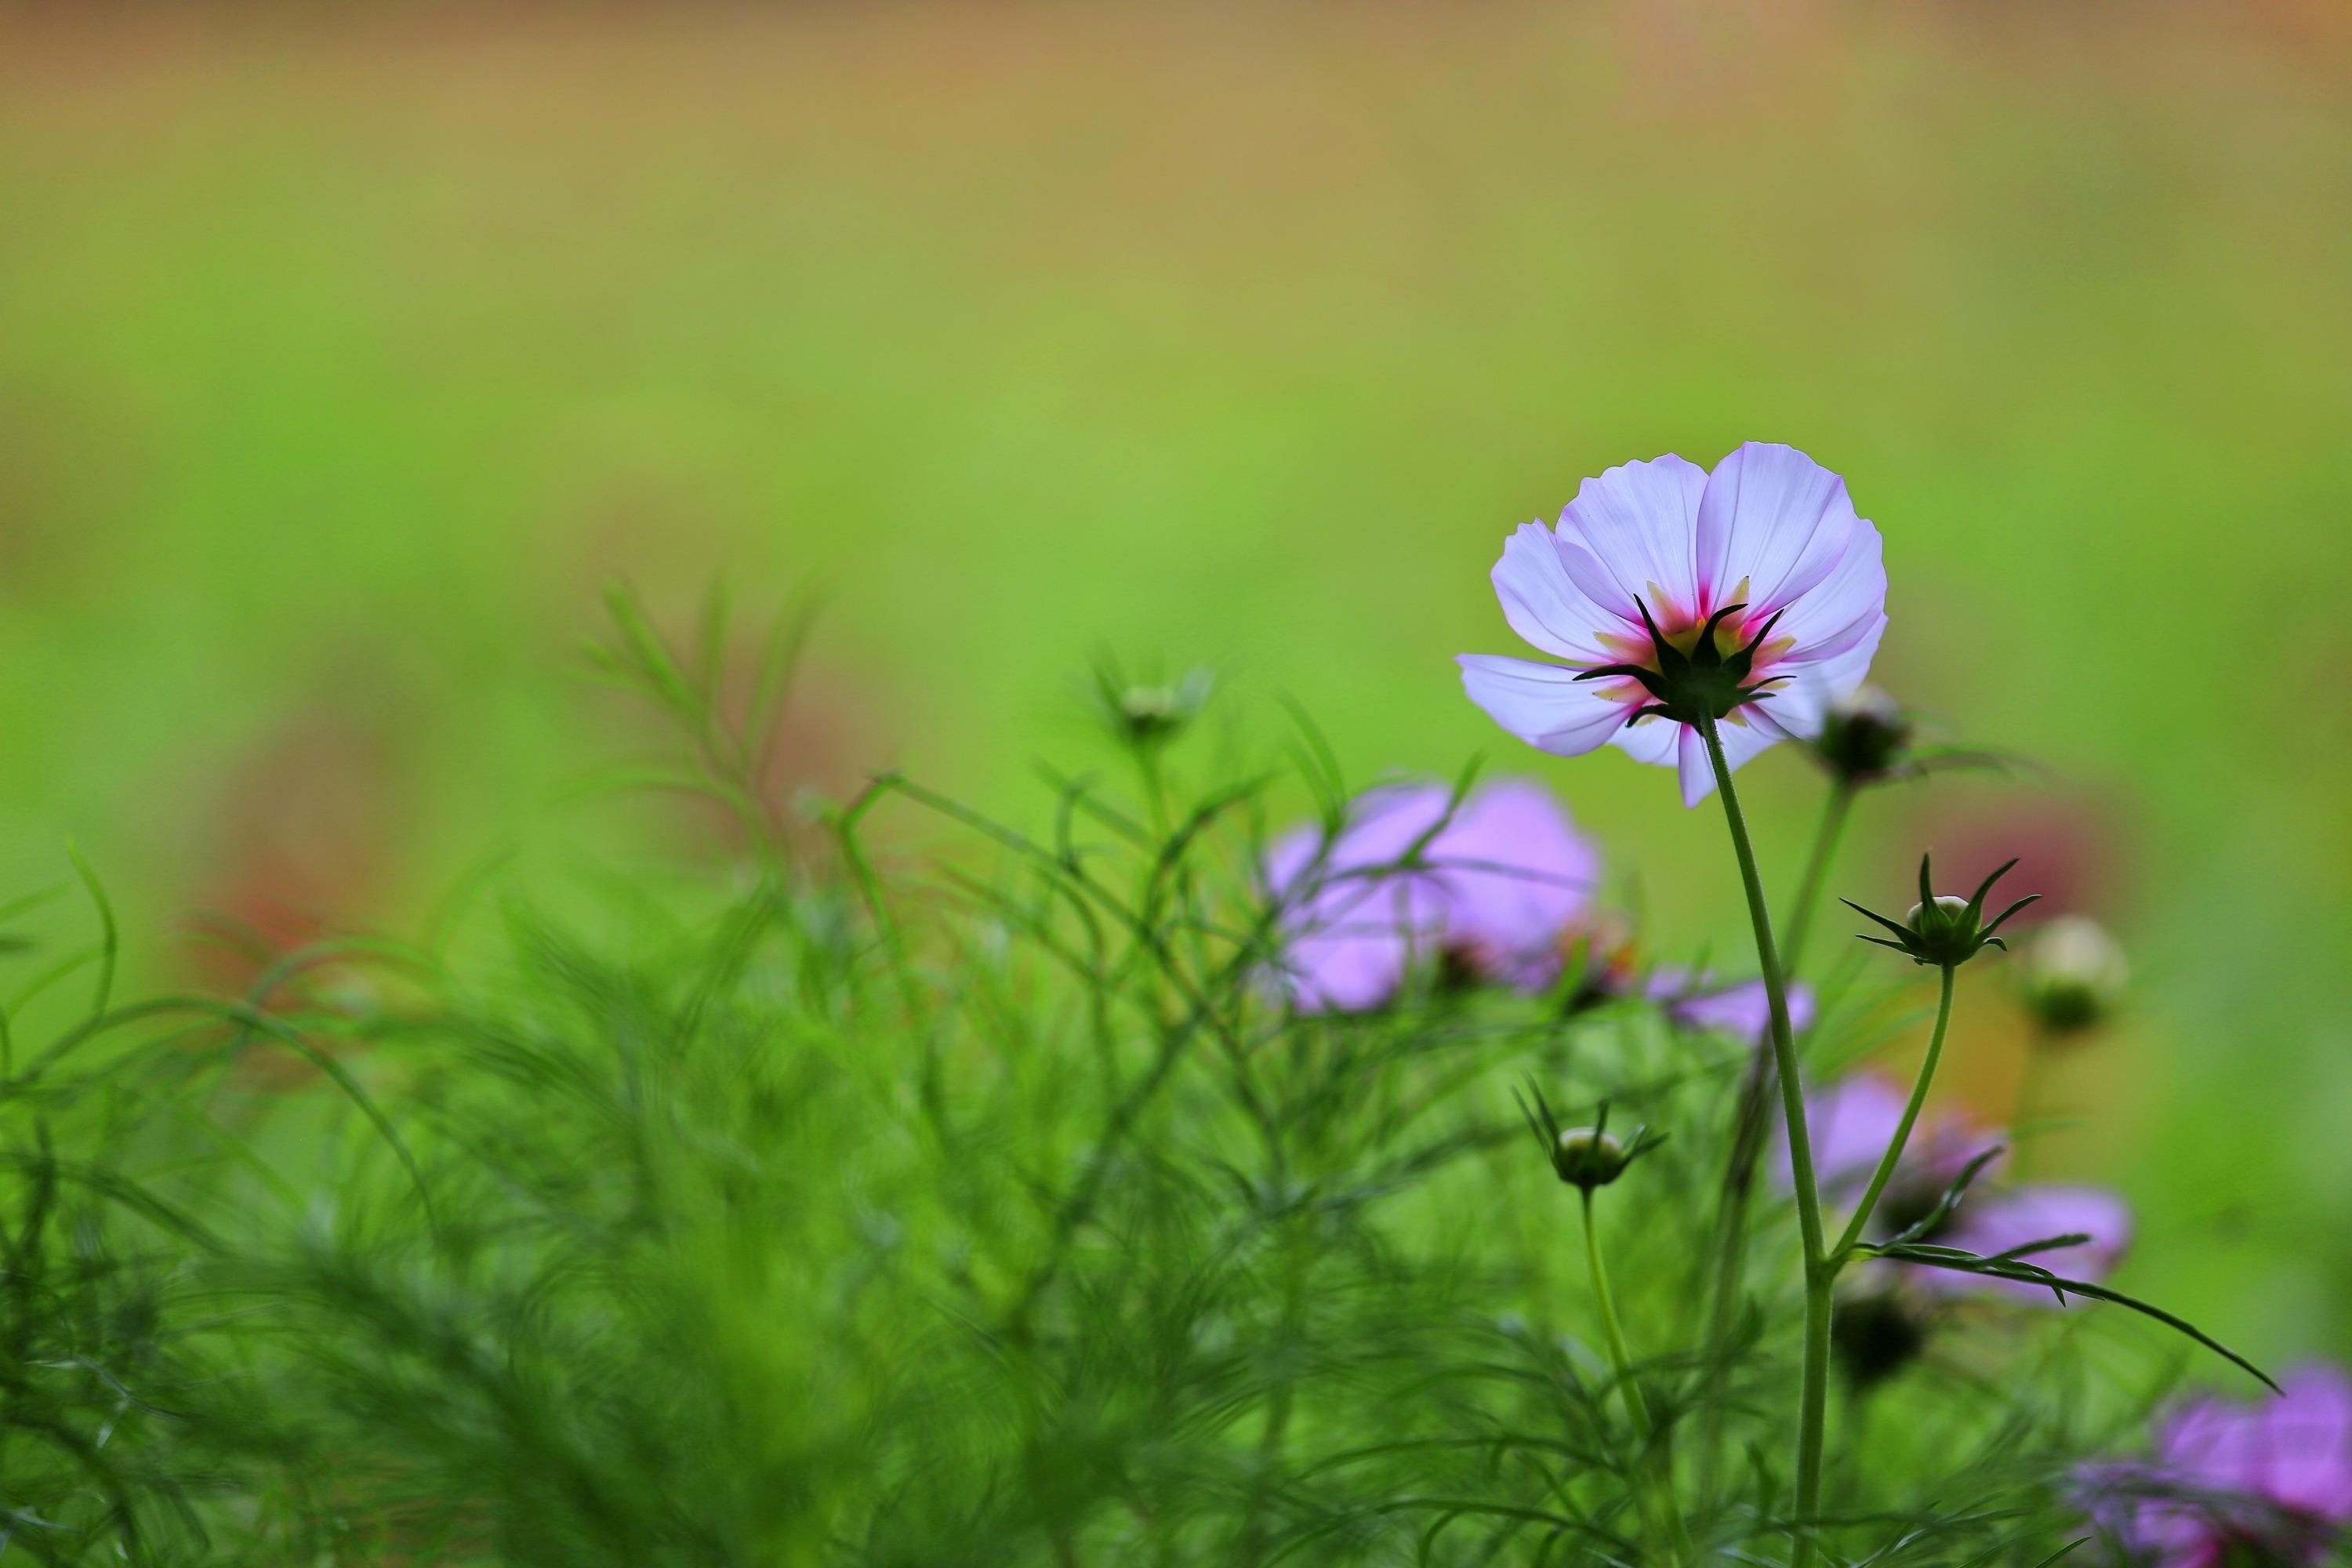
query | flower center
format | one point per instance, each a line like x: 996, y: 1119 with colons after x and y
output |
x: 1682, y: 630
x: 1693, y: 666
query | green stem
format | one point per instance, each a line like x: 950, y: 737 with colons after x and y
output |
x: 1749, y: 1121
x: 1894, y: 1155
x: 1813, y: 1401
x: 1636, y: 1406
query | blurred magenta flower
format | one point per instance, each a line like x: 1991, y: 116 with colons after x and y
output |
x: 1490, y: 891
x: 1666, y: 543
x: 1995, y: 1222
x: 1600, y: 948
x: 2232, y: 1482
x: 1853, y: 1119
x: 1741, y: 1009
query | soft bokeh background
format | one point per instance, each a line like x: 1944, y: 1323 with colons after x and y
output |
x: 343, y: 361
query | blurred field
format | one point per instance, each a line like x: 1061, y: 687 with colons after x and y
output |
x: 342, y: 365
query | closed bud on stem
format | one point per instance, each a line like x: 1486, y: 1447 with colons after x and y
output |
x: 2074, y: 975
x: 1587, y: 1157
x: 1583, y: 1157
x: 1149, y: 713
x: 1948, y: 907
x: 1943, y: 930
x: 1866, y: 737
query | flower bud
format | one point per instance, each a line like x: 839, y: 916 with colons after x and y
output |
x: 1943, y: 930
x: 1583, y: 1157
x: 1587, y: 1157
x: 1145, y: 714
x: 2074, y: 975
x: 1150, y: 711
x: 1951, y: 906
x: 1864, y: 736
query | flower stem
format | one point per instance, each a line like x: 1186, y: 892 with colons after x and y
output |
x: 1813, y: 1400
x: 1636, y: 1406
x: 1749, y: 1120
x: 1894, y: 1155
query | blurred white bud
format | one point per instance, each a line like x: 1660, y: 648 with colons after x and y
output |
x: 2074, y: 975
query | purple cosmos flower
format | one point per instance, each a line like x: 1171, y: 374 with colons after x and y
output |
x: 1491, y: 891
x: 2230, y: 1482
x: 1853, y: 1119
x: 1996, y: 1222
x: 1743, y: 1009
x: 1600, y: 948
x: 1771, y: 530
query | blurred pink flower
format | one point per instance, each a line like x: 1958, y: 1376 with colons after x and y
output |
x: 1741, y: 1009
x: 1771, y: 530
x: 1995, y: 1222
x: 1491, y: 891
x: 2230, y: 1482
x: 1854, y: 1118
x: 1852, y: 1121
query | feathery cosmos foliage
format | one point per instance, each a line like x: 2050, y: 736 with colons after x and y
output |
x: 1044, y: 1197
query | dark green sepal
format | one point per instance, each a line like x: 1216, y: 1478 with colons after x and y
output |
x: 1695, y: 687
x: 1945, y: 931
x: 1583, y: 1157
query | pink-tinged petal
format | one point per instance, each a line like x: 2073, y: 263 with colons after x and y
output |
x: 1542, y: 704
x: 1772, y: 518
x: 1846, y: 610
x: 1852, y: 1121
x: 2271, y: 1474
x: 1344, y: 973
x: 1329, y: 965
x: 1514, y: 873
x: 2304, y: 1444
x: 2211, y: 1445
x: 2143, y: 1508
x: 1543, y: 604
x: 1800, y: 706
x: 1388, y: 820
x: 1495, y: 882
x: 1350, y: 932
x: 1697, y: 769
x: 1744, y: 738
x: 1637, y: 521
x: 1742, y: 1010
x: 1652, y: 740
x: 1997, y: 1223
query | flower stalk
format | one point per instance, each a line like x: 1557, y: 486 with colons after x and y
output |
x: 1637, y: 1407
x: 1587, y: 1158
x: 1813, y: 1398
x: 1751, y: 1117
x: 1894, y: 1155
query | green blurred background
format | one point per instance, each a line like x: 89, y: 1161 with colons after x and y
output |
x: 343, y: 361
